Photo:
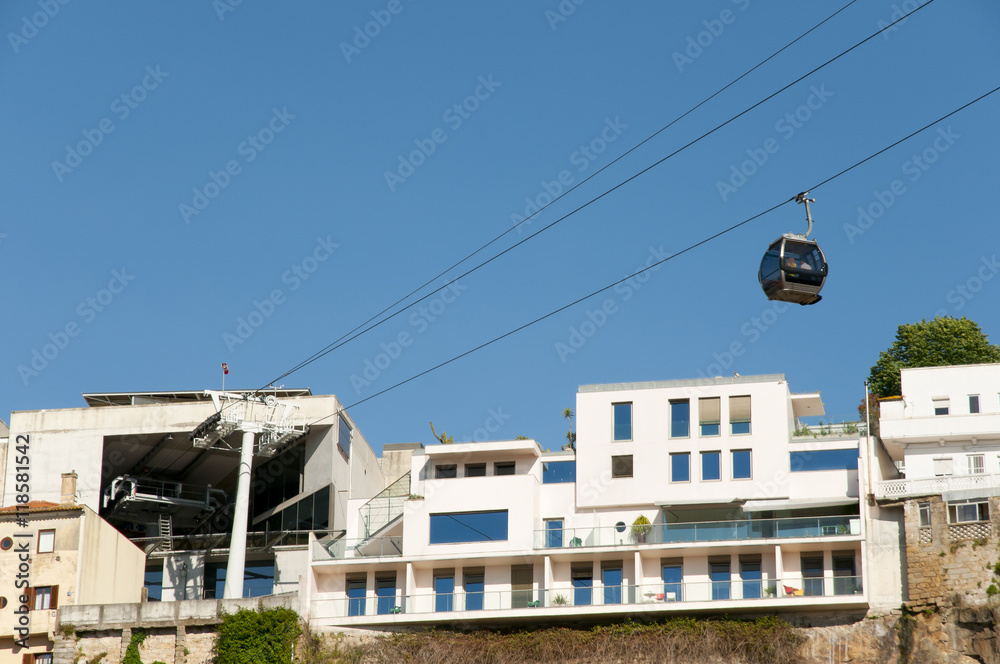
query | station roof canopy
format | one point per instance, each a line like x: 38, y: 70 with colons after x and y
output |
x: 96, y: 399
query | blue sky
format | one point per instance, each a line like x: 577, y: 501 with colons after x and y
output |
x: 195, y: 183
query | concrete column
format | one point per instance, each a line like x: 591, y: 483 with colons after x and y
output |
x: 409, y: 586
x: 639, y: 579
x: 828, y: 572
x: 238, y: 543
x: 547, y: 581
x: 180, y: 642
x: 779, y: 571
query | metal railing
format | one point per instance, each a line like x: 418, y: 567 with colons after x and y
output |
x: 371, y: 547
x: 386, y: 506
x: 932, y: 485
x: 705, y: 531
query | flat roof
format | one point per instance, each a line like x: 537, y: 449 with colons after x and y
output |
x: 685, y: 382
x: 95, y: 399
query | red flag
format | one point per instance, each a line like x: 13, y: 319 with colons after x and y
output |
x: 225, y: 369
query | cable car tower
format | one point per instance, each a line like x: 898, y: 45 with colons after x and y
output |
x: 794, y: 268
x: 268, y: 426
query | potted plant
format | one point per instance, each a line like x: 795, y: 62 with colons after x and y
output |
x: 640, y: 528
x: 770, y: 591
x: 559, y: 600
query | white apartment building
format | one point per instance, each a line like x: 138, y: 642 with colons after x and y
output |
x: 691, y: 496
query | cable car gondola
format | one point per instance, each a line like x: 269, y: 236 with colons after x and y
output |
x: 794, y: 268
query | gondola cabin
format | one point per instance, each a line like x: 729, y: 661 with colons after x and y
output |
x: 794, y: 269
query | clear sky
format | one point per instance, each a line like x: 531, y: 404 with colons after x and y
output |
x: 186, y: 184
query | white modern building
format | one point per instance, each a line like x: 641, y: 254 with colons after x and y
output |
x: 691, y: 496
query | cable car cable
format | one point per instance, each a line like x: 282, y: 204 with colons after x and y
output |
x: 337, y: 344
x: 664, y: 260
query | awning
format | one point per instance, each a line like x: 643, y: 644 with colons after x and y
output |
x: 787, y: 504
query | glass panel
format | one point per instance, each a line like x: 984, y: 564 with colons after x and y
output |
x: 445, y: 471
x: 741, y: 465
x: 611, y: 577
x: 386, y: 591
x: 521, y: 585
x: 468, y: 527
x: 554, y: 533
x: 823, y: 460
x: 812, y: 576
x: 739, y: 415
x: 356, y: 598
x: 623, y: 421
x: 475, y: 470
x: 750, y: 573
x: 503, y: 468
x: 46, y: 541
x: 306, y: 513
x: 344, y: 437
x: 558, y: 472
x: 474, y: 592
x: 804, y: 256
x: 974, y: 403
x: 153, y: 581
x: 710, y: 465
x: 709, y: 415
x: 582, y: 591
x: 680, y: 419
x: 680, y: 467
x: 673, y: 577
x: 444, y: 590
x: 719, y: 573
x: 621, y: 466
x: 321, y: 509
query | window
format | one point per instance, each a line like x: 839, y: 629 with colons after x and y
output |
x: 924, y: 510
x: 444, y: 590
x: 739, y: 415
x: 941, y: 405
x: 942, y: 467
x: 621, y: 466
x: 385, y: 591
x: 152, y: 581
x: 710, y: 465
x: 968, y: 511
x: 356, y: 590
x: 976, y: 464
x: 522, y: 583
x: 719, y: 574
x: 37, y: 658
x: 445, y: 471
x: 583, y: 583
x: 469, y: 527
x: 558, y: 472
x: 623, y: 421
x: 973, y: 403
x: 503, y: 468
x: 680, y: 419
x: 475, y: 470
x: 43, y: 597
x: 800, y: 462
x: 46, y: 541
x: 344, y: 437
x: 742, y: 469
x: 812, y: 574
x: 474, y: 587
x: 680, y: 467
x: 673, y: 579
x: 709, y: 415
x: 750, y: 575
x: 553, y: 533
x: 611, y: 578
x: 845, y: 581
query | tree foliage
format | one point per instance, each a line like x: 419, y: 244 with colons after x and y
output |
x: 257, y: 637
x: 943, y: 341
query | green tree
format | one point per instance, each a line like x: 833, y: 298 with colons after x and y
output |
x: 570, y: 435
x: 943, y: 341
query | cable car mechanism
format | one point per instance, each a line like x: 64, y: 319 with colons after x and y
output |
x: 794, y: 268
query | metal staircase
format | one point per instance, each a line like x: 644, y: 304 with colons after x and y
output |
x: 385, y: 507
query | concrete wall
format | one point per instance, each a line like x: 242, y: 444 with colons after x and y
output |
x: 112, y: 568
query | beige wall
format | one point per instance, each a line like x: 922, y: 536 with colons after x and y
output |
x: 113, y: 568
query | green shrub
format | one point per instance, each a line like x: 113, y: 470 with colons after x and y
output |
x: 257, y: 637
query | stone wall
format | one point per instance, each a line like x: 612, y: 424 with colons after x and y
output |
x: 949, y: 565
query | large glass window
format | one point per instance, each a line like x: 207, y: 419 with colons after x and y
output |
x: 680, y: 467
x: 621, y: 465
x: 385, y: 590
x: 719, y: 573
x: 558, y: 472
x: 742, y: 469
x: 673, y: 579
x: 444, y: 591
x: 469, y: 527
x: 583, y: 584
x: 344, y: 437
x: 258, y: 579
x: 680, y: 419
x: 739, y: 415
x: 278, y: 479
x: 812, y: 575
x: 710, y: 466
x: 824, y: 460
x: 153, y: 582
x: 709, y: 415
x: 356, y: 597
x: 750, y: 575
x: 968, y: 511
x: 623, y: 421
x: 611, y: 577
x: 553, y: 533
x: 845, y: 581
x: 474, y: 586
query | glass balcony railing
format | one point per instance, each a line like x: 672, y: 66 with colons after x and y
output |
x: 650, y: 596
x: 705, y: 531
x: 373, y: 547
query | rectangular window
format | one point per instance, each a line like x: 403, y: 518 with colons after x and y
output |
x: 750, y: 575
x: 968, y: 511
x: 943, y: 467
x: 721, y: 580
x: 709, y: 415
x: 445, y: 471
x: 680, y: 467
x: 553, y: 533
x: 710, y: 465
x: 522, y: 586
x: 973, y: 403
x: 356, y: 590
x: 385, y: 591
x: 976, y: 464
x: 621, y: 466
x: 444, y: 590
x: 812, y: 575
x: 459, y: 527
x: 344, y: 437
x: 623, y: 421
x: 611, y: 578
x: 46, y: 541
x: 673, y: 579
x: 41, y: 658
x: 680, y: 419
x: 475, y: 470
x: 558, y: 472
x: 583, y: 583
x: 152, y: 581
x: 924, y: 510
x: 941, y: 405
x: 739, y: 415
x: 43, y: 597
x: 742, y: 469
x: 845, y: 581
x: 474, y: 587
x: 800, y: 462
x: 503, y: 468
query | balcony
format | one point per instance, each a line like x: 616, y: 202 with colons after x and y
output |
x: 681, y: 596
x: 705, y: 531
x: 372, y: 547
x: 896, y: 489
